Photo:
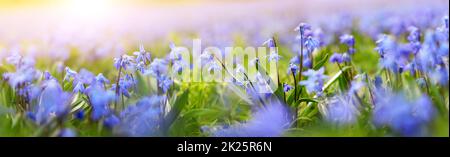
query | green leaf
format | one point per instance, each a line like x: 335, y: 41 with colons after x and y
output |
x: 321, y: 62
x: 180, y: 102
x: 334, y: 78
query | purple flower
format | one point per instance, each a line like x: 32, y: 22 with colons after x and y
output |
x: 270, y: 121
x: 315, y: 80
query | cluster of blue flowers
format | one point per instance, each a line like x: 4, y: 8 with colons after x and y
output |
x: 412, y: 49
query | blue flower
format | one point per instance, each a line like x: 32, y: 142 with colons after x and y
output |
x: 311, y: 44
x: 307, y: 63
x: 315, y: 80
x: 347, y: 39
x: 158, y: 67
x: 440, y: 75
x: 206, y: 58
x: 142, y: 55
x: 274, y: 56
x: 164, y: 83
x: 14, y: 59
x: 67, y: 133
x: 142, y: 119
x: 140, y: 67
x: 70, y: 74
x: 85, y: 77
x: 100, y: 100
x: 53, y: 102
x: 407, y: 117
x: 48, y: 76
x: 79, y: 88
x: 175, y: 52
x: 302, y: 28
x: 378, y: 82
x: 125, y: 84
x: 22, y: 76
x: 111, y: 121
x: 384, y: 44
x: 287, y: 87
x: 341, y: 110
x: 101, y: 79
x: 336, y: 58
x: 79, y: 115
x: 30, y: 115
x: 125, y: 61
x: 414, y: 34
x: 270, y: 121
x: 270, y: 43
x: 178, y: 66
x: 295, y: 60
x: 293, y: 68
x: 346, y: 57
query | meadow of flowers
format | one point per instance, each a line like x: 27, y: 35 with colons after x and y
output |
x: 383, y: 73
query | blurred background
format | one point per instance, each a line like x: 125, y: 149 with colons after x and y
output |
x: 106, y: 27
